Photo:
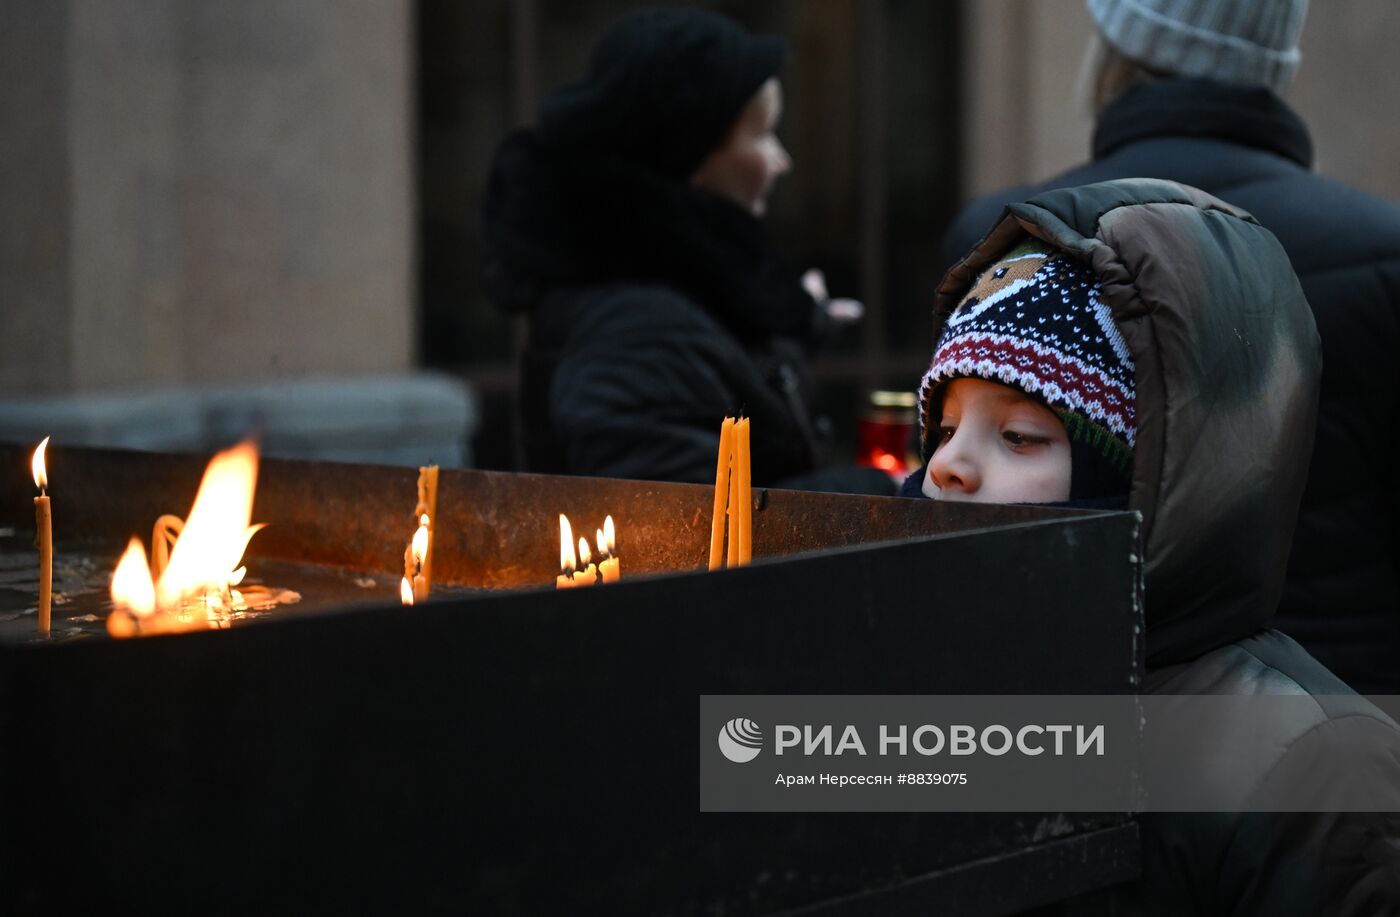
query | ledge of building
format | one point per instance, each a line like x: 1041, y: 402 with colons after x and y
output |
x: 389, y: 420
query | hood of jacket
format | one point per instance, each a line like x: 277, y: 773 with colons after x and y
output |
x: 1227, y: 367
x: 560, y: 217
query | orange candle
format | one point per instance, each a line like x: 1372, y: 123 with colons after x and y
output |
x: 745, y: 491
x: 419, y: 548
x: 43, y: 537
x: 427, y: 506
x: 732, y: 554
x: 717, y: 519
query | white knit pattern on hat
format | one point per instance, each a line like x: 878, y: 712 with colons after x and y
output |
x: 1246, y: 42
x: 1034, y: 320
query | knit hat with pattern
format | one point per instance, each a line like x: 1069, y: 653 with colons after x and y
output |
x: 1034, y: 320
x: 1247, y: 42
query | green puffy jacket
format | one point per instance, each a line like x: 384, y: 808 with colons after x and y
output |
x: 1228, y: 362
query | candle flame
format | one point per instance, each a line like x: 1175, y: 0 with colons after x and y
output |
x: 195, y: 588
x: 567, y: 561
x: 607, y: 541
x: 406, y: 591
x: 583, y: 554
x: 132, y: 588
x: 41, y: 473
x: 420, y: 541
x: 216, y: 532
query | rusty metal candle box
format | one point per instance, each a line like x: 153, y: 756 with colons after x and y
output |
x: 509, y: 748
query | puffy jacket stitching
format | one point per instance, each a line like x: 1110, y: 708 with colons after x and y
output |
x: 1203, y: 207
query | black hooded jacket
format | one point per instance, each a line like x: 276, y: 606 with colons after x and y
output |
x: 1245, y: 146
x: 655, y: 309
x: 1227, y: 364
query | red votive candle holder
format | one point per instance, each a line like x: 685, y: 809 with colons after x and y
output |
x: 885, y: 432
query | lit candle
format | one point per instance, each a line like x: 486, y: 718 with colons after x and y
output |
x: 589, y: 574
x: 745, y: 507
x: 717, y: 518
x: 43, y: 537
x: 133, y: 593
x: 427, y: 506
x: 610, y: 567
x: 419, y: 548
x: 567, y: 561
x: 418, y: 556
x: 405, y: 591
x: 570, y: 576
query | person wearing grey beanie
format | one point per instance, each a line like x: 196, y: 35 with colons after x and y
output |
x: 1192, y: 91
x: 1248, y: 44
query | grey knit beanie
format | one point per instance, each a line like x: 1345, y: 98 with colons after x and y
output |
x: 1248, y: 42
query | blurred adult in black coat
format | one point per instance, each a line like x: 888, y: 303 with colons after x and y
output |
x: 626, y: 225
x: 1191, y: 92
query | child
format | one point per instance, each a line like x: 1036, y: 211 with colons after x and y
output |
x: 1030, y: 395
x: 1138, y: 343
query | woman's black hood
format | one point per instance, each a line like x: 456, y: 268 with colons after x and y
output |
x: 1227, y: 367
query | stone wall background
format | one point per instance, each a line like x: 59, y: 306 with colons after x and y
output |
x: 207, y: 191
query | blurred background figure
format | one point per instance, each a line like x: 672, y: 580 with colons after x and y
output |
x: 1191, y: 91
x: 626, y: 225
x: 224, y: 213
x: 871, y: 191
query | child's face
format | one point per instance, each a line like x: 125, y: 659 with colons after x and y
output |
x: 996, y: 444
